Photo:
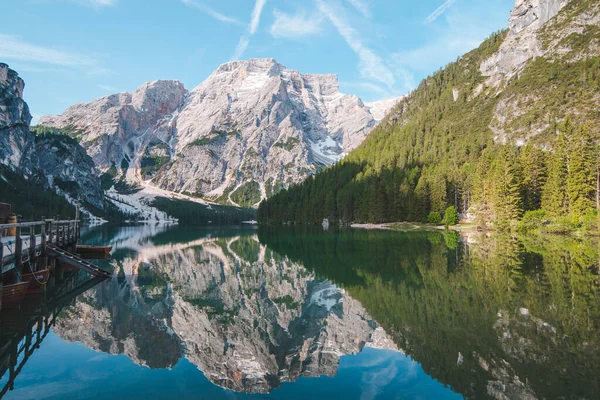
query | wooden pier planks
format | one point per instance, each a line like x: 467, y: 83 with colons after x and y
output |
x: 74, y: 261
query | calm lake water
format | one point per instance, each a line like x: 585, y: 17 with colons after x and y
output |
x: 282, y: 314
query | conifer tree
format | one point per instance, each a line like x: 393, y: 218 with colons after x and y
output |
x: 438, y: 192
x: 581, y: 173
x: 480, y: 194
x: 533, y: 166
x: 506, y: 188
x: 554, y: 200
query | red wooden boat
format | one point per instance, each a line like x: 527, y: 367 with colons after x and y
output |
x: 13, y: 295
x: 37, y: 280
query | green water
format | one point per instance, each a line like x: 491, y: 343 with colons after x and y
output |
x: 261, y: 313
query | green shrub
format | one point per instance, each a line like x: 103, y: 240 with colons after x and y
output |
x: 451, y: 216
x: 561, y: 225
x: 532, y: 220
x: 590, y: 221
x: 434, y: 217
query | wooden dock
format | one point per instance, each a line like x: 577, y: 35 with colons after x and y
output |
x: 23, y: 331
x: 29, y: 247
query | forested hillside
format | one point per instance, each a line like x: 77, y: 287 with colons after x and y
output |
x: 492, y: 148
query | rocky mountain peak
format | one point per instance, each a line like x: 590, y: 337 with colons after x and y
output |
x: 13, y: 110
x: 533, y: 14
x: 16, y: 143
x: 523, y: 41
x: 161, y: 96
x: 50, y: 160
x: 251, y: 128
x: 267, y: 66
x: 11, y: 81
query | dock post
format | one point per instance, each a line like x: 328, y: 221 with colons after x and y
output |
x: 32, y: 244
x: 49, y: 226
x: 44, y: 255
x: 18, y: 250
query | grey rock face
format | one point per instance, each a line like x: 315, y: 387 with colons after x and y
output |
x: 60, y: 160
x: 68, y: 168
x: 533, y: 14
x: 379, y: 109
x: 16, y: 142
x: 115, y: 129
x: 548, y: 29
x: 522, y: 42
x: 250, y: 121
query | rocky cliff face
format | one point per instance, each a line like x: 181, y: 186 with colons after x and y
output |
x: 69, y: 169
x: 247, y: 318
x: 536, y: 29
x: 250, y: 129
x: 114, y: 129
x: 16, y: 143
x: 543, y: 35
x: 56, y: 161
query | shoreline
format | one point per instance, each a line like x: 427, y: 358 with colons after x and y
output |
x: 412, y: 226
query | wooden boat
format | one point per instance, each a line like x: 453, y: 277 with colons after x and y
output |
x: 100, y: 252
x: 37, y: 280
x: 13, y: 295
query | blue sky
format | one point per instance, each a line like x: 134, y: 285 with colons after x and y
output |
x: 71, y: 51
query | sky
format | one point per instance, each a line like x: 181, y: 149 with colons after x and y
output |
x: 72, y: 51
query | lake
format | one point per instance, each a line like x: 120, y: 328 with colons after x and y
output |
x: 263, y: 313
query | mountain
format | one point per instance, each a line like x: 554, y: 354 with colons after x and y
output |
x: 249, y: 319
x: 480, y: 134
x: 250, y: 129
x: 34, y: 167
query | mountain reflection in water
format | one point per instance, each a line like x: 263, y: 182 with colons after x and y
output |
x: 253, y: 309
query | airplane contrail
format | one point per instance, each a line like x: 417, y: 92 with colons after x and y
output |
x: 441, y: 9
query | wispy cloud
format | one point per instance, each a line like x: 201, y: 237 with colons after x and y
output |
x: 108, y: 88
x: 14, y: 48
x: 99, y: 71
x: 295, y: 26
x: 441, y: 9
x: 363, y: 6
x: 371, y: 66
x: 211, y: 13
x: 95, y: 3
x: 367, y: 87
x: 256, y: 13
x: 242, y: 46
x: 100, y: 3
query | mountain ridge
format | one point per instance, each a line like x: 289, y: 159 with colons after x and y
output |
x: 251, y: 128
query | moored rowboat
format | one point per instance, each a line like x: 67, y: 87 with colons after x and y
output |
x: 12, y: 295
x: 37, y: 280
x: 95, y: 250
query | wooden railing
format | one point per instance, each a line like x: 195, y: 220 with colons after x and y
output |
x: 38, y: 235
